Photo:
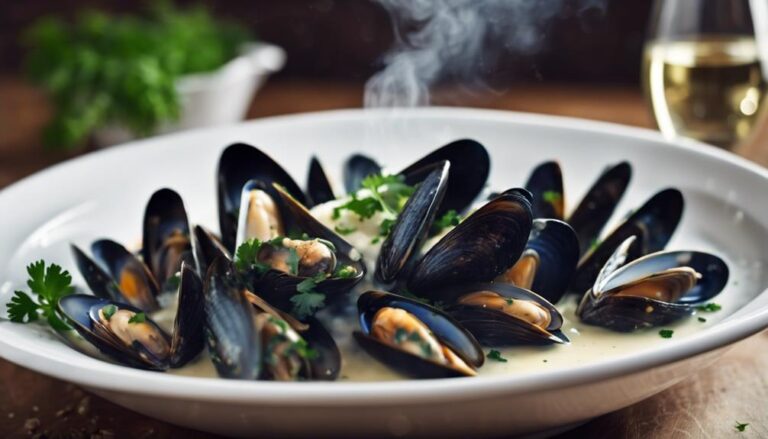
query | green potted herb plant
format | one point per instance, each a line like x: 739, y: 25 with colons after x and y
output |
x: 120, y: 77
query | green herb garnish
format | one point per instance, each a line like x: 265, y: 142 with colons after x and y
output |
x: 386, y: 226
x: 552, y: 197
x: 449, y: 219
x: 48, y: 284
x: 103, y: 69
x: 109, y: 311
x: 509, y: 300
x: 139, y: 317
x: 365, y: 208
x: 308, y: 300
x: 594, y: 244
x: 341, y: 230
x: 666, y: 333
x: 740, y: 427
x: 702, y: 319
x: 709, y: 307
x: 496, y: 356
x: 292, y: 261
x: 302, y: 349
x: 345, y: 272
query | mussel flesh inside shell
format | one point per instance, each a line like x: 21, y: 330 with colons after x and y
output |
x: 500, y: 314
x: 414, y: 338
x: 167, y: 240
x: 654, y: 290
x: 133, y: 278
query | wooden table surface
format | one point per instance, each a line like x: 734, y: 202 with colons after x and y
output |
x: 708, y: 404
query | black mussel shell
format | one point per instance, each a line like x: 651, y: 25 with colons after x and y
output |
x: 188, y: 340
x: 356, y: 168
x: 654, y: 224
x: 546, y: 185
x: 556, y: 245
x: 82, y: 312
x: 98, y: 280
x: 412, y: 225
x: 597, y: 206
x: 629, y: 313
x: 135, y: 281
x: 470, y: 166
x: 318, y: 186
x: 238, y: 164
x: 480, y: 248
x: 231, y: 331
x: 447, y: 331
x: 327, y: 364
x: 208, y: 248
x: 495, y: 328
x: 277, y: 287
x: 167, y: 241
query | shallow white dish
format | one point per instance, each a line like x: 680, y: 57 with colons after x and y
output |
x: 103, y: 194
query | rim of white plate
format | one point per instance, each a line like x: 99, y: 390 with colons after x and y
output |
x: 93, y: 373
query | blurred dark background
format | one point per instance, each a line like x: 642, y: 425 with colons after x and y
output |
x: 345, y: 39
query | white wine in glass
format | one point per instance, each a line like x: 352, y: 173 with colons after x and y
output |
x: 704, y: 85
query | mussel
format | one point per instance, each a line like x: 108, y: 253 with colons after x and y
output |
x: 356, y: 169
x: 653, y: 224
x: 548, y: 261
x: 653, y: 290
x: 127, y: 335
x: 319, y: 186
x: 414, y: 338
x: 167, y: 238
x: 247, y: 339
x: 279, y: 263
x: 500, y: 314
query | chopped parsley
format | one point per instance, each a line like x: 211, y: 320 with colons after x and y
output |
x: 302, y: 349
x: 109, y: 311
x: 345, y: 272
x: 496, y: 356
x: 594, y: 244
x: 552, y: 197
x: 308, y: 300
x: 666, y: 333
x: 376, y: 240
x: 509, y: 300
x: 139, y: 317
x: 247, y: 257
x: 386, y: 226
x: 702, y: 319
x: 292, y: 261
x: 740, y: 427
x: 709, y: 307
x: 449, y: 219
x: 364, y: 208
x: 49, y: 284
x: 342, y: 230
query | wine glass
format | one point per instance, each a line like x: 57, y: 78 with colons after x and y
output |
x: 703, y: 68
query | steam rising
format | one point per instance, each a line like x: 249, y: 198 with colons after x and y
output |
x: 434, y: 38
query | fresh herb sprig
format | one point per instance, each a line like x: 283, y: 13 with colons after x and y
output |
x: 496, y: 356
x: 308, y: 300
x: 47, y: 284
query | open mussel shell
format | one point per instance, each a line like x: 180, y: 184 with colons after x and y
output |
x: 443, y: 327
x: 98, y: 280
x: 546, y: 185
x: 494, y: 327
x: 548, y: 262
x: 470, y: 166
x: 238, y: 164
x: 651, y: 291
x: 208, y: 247
x: 597, y: 206
x: 187, y: 340
x: 318, y: 185
x: 479, y: 249
x: 412, y: 225
x: 654, y: 224
x: 356, y: 169
x: 167, y: 240
x: 134, y: 280
x: 231, y: 330
x: 278, y: 287
x: 149, y: 347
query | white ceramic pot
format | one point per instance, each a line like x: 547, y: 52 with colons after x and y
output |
x: 214, y: 98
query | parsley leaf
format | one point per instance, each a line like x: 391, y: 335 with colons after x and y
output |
x: 302, y: 349
x: 22, y: 309
x: 292, y: 261
x: 709, y: 307
x: 740, y: 427
x: 702, y: 319
x: 139, y: 317
x: 666, y: 333
x: 109, y: 311
x: 309, y: 300
x: 552, y: 197
x: 449, y: 219
x: 386, y: 226
x: 49, y: 284
x: 247, y: 254
x: 342, y: 230
x: 365, y: 208
x: 345, y: 272
x: 496, y: 355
